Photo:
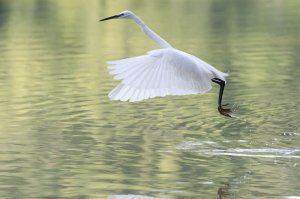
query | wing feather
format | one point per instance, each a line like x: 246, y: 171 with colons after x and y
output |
x: 159, y: 73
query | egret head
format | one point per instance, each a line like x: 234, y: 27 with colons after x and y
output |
x: 123, y: 15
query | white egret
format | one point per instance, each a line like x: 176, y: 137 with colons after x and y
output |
x: 162, y: 72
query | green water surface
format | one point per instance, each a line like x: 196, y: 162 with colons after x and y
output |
x: 61, y: 137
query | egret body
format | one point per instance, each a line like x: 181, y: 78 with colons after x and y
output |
x: 162, y: 72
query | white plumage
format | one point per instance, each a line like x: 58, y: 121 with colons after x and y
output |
x: 159, y: 73
x: 162, y: 72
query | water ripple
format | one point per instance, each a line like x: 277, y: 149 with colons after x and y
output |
x: 132, y: 197
x: 241, y: 152
x: 264, y: 153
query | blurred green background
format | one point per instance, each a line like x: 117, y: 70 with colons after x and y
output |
x: 61, y: 137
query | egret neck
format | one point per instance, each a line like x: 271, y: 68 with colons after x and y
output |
x: 151, y: 34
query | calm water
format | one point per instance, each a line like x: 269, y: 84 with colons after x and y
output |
x: 60, y: 136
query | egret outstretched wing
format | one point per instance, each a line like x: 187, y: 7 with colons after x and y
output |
x: 159, y: 73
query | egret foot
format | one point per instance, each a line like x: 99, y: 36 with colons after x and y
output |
x: 222, y: 111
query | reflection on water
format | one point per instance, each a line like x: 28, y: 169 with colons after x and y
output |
x: 60, y: 136
x: 223, y: 191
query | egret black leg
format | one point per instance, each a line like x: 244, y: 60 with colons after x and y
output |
x: 223, y: 111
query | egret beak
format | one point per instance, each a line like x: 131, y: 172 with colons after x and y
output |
x: 112, y: 17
